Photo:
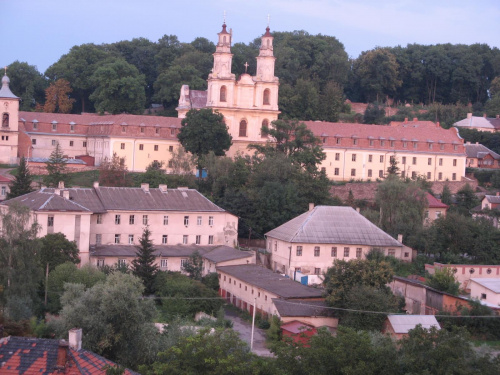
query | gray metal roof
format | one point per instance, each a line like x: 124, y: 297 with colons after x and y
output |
x: 490, y: 283
x: 47, y: 201
x: 271, y: 281
x: 492, y: 198
x: 479, y: 151
x: 333, y: 225
x: 301, y: 308
x: 403, y: 323
x: 5, y: 90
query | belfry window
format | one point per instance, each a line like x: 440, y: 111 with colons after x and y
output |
x: 243, y: 128
x: 223, y: 92
x: 266, y: 99
x: 5, y: 120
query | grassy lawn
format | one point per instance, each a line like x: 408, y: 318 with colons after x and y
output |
x: 493, y: 344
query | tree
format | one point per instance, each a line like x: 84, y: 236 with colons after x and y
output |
x: 22, y: 181
x: 203, y: 131
x: 446, y: 195
x: 393, y: 169
x: 143, y: 266
x: 374, y: 114
x: 56, y: 168
x: 194, y: 266
x: 27, y: 83
x: 492, y: 107
x: 117, y: 321
x: 114, y: 172
x: 344, y: 275
x: 466, y: 199
x: 443, y: 280
x: 293, y: 139
x: 57, y: 249
x: 181, y: 162
x: 57, y: 98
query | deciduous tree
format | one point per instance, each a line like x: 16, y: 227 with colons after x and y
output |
x: 114, y: 172
x: 194, y: 266
x: 57, y: 99
x: 27, y: 83
x: 443, y: 280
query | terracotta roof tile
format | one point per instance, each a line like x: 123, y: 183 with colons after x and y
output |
x: 434, y: 202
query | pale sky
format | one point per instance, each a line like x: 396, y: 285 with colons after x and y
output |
x: 39, y: 32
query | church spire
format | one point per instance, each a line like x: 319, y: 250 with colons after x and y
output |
x: 5, y: 90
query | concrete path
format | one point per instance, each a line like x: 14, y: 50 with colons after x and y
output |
x: 244, y: 328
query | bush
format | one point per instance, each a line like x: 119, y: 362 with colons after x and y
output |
x: 264, y: 324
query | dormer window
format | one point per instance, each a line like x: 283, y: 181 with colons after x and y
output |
x: 35, y: 124
x: 71, y: 126
x: 223, y: 92
x: 54, y: 126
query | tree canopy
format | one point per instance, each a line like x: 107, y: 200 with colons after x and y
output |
x: 143, y: 266
x: 22, y: 181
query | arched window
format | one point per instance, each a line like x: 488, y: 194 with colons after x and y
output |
x: 223, y: 91
x: 265, y: 124
x: 5, y: 120
x: 243, y: 128
x: 267, y: 94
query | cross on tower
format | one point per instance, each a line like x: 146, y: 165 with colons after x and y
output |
x: 224, y: 16
x: 246, y: 66
x: 5, y: 70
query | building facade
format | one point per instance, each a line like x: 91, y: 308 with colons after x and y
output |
x: 9, y: 111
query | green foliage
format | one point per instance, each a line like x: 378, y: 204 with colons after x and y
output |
x: 492, y: 107
x: 56, y: 168
x: 273, y: 334
x: 119, y: 87
x: 211, y: 281
x: 194, y: 266
x: 114, y: 172
x: 446, y: 195
x: 443, y: 280
x: 490, y: 140
x: 27, y: 83
x: 22, y: 182
x: 174, y: 288
x: 203, y: 131
x: 143, y: 266
x: 56, y: 249
x: 117, y: 322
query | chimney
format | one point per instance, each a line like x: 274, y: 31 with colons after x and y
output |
x: 467, y: 143
x: 62, y: 354
x: 484, y: 115
x: 145, y: 187
x: 498, y: 193
x: 357, y: 210
x: 75, y: 338
x: 66, y: 194
x: 406, y: 120
x: 438, y: 124
x: 163, y: 188
x: 96, y: 184
x: 498, y: 116
x: 61, y: 185
x: 311, y: 206
x: 57, y: 191
x: 469, y: 115
x: 415, y: 118
x: 400, y: 238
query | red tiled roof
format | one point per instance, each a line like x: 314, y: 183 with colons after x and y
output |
x: 5, y: 179
x: 434, y: 202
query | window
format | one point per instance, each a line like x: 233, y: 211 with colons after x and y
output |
x: 98, y: 239
x: 144, y: 219
x: 100, y: 262
x: 334, y: 252
x: 142, y: 129
x: 440, y: 176
x: 198, y: 220
x: 33, y: 141
x: 438, y: 214
x: 222, y: 94
x: 380, y: 173
x: 381, y: 158
x: 371, y: 142
x: 35, y: 125
x: 441, y: 146
x: 483, y: 295
x: 157, y: 130
x: 440, y: 162
x: 156, y: 147
x: 210, y: 220
x: 130, y: 239
x: 454, y: 176
x: 243, y: 128
x: 353, y: 172
x: 413, y: 175
x: 266, y: 99
x: 124, y: 129
x: 336, y: 171
x: 353, y: 157
x: 317, y: 271
x: 338, y: 140
x: 185, y: 239
x: 171, y: 148
x: 414, y: 144
x: 71, y: 143
x: 122, y: 262
x: 405, y: 144
x: 4, y: 190
x: 50, y: 221
x: 382, y: 143
x: 117, y: 219
x: 455, y: 147
x: 392, y: 143
x: 265, y: 124
x: 354, y: 141
x: 369, y: 173
x: 71, y: 127
x: 84, y: 143
x: 172, y: 131
x: 164, y: 239
x: 428, y: 175
x: 141, y: 147
x: 391, y: 253
x: 430, y: 146
x: 170, y: 164
x: 186, y: 220
x: 53, y: 142
x: 429, y: 161
x: 165, y: 220
x: 164, y: 263
x: 346, y: 252
x: 316, y: 251
x: 414, y: 160
x: 299, y: 251
x: 210, y: 240
x: 131, y: 219
x: 198, y: 239
x: 454, y: 162
x: 337, y: 156
x: 370, y: 158
x: 99, y: 219
x: 117, y: 238
x: 54, y: 126
x: 407, y: 254
x: 359, y: 251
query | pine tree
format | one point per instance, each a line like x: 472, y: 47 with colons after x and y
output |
x: 446, y: 195
x: 56, y: 168
x: 22, y: 183
x: 143, y: 266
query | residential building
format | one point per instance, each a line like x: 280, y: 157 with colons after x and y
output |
x: 4, y: 187
x: 490, y: 202
x: 398, y: 326
x: 434, y: 210
x: 481, y: 123
x: 117, y: 216
x: 488, y: 209
x: 313, y: 313
x: 246, y: 286
x: 464, y: 273
x: 30, y: 355
x: 311, y: 242
x: 479, y: 156
x: 487, y: 290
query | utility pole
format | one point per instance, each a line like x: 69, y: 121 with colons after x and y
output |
x: 253, y: 322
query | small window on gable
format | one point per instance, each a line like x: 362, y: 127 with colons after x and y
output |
x: 243, y: 128
x: 223, y: 92
x: 267, y: 97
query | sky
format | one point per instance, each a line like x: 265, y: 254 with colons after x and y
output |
x: 39, y: 32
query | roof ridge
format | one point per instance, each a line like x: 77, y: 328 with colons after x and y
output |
x: 303, y: 223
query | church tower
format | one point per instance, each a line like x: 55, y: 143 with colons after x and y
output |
x: 267, y: 84
x: 9, y: 127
